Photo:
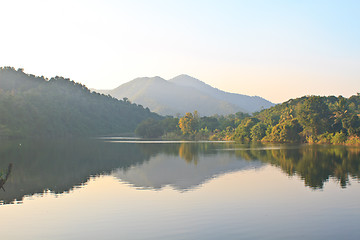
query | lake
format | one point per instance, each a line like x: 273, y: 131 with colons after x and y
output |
x: 120, y: 188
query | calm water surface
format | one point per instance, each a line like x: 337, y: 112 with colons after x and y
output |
x: 129, y: 189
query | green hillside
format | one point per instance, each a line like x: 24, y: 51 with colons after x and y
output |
x: 36, y: 106
x: 310, y: 119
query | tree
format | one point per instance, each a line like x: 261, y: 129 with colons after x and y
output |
x: 187, y: 123
x: 258, y: 131
x: 314, y: 115
x: 242, y: 132
x: 126, y: 100
x: 149, y: 128
x: 210, y: 123
x: 170, y: 124
x: 352, y: 125
x: 286, y: 131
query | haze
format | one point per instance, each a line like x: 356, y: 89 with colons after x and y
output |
x: 273, y: 49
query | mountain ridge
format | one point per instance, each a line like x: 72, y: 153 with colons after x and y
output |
x: 184, y: 93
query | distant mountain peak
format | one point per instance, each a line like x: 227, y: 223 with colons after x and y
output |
x: 188, y: 81
x: 183, y: 94
x: 149, y: 78
x: 184, y: 77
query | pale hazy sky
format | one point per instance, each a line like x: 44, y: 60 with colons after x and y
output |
x: 274, y: 49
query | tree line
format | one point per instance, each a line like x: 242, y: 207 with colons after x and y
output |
x: 310, y: 119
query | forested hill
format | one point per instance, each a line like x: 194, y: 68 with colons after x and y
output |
x: 310, y: 119
x: 36, y: 106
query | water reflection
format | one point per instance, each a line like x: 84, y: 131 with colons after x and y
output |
x: 4, y: 175
x: 188, y: 153
x: 60, y: 165
x: 185, y: 169
x: 315, y: 164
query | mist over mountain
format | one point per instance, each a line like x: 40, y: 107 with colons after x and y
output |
x: 185, y: 94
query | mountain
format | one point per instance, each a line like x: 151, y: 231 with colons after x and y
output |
x: 185, y: 94
x: 35, y: 106
x: 248, y: 103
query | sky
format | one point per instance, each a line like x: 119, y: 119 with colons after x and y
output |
x: 275, y: 49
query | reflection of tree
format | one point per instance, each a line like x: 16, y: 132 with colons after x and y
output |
x: 315, y: 164
x: 4, y: 176
x: 153, y: 149
x: 59, y: 165
x: 189, y: 153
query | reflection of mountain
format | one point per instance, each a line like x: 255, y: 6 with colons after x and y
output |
x: 163, y: 169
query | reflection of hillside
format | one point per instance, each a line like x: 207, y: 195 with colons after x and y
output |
x: 315, y: 164
x: 60, y: 165
x: 168, y: 168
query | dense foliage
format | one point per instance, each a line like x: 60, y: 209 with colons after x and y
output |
x: 313, y: 119
x: 36, y: 106
x: 310, y: 119
x: 190, y: 126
